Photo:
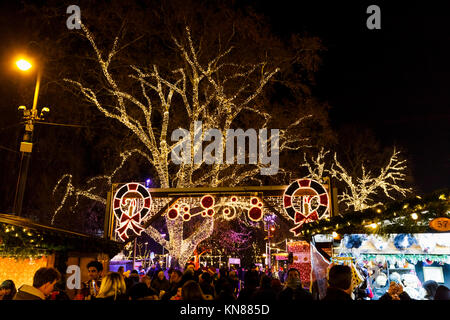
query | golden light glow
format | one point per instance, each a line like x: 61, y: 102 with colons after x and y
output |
x: 414, y: 216
x: 20, y: 271
x: 23, y: 65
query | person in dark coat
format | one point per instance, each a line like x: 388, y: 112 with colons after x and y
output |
x: 294, y: 289
x: 430, y: 287
x: 250, y: 286
x: 205, y: 282
x: 265, y: 291
x: 226, y: 295
x: 131, y: 280
x: 442, y: 293
x: 140, y: 291
x: 44, y: 281
x: 160, y: 283
x: 174, y: 284
x: 221, y: 279
x: 339, y: 283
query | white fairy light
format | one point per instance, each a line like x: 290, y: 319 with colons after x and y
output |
x: 359, y: 191
x: 199, y: 85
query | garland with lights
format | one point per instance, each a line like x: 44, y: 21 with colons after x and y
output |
x: 411, y: 258
x: 23, y: 242
x: 409, y: 216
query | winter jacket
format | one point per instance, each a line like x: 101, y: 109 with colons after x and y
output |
x: 159, y: 285
x: 334, y: 294
x: 289, y: 294
x: 27, y: 292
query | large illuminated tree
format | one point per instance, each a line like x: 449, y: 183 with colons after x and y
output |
x: 212, y: 85
x: 360, y: 192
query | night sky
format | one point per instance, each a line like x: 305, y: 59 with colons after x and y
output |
x: 394, y: 80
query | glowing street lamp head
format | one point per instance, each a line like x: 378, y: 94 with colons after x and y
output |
x: 23, y: 65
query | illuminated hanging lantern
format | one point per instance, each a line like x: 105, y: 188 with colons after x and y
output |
x: 207, y: 202
x: 131, y: 205
x: 305, y: 200
x: 255, y: 213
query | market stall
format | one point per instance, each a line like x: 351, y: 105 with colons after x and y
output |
x: 26, y: 246
x: 410, y: 259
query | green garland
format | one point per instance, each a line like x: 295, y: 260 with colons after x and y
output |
x: 395, y: 217
x: 24, y: 242
x: 411, y: 258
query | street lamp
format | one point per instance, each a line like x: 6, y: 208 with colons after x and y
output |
x: 26, y: 146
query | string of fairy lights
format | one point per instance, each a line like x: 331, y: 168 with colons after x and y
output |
x: 24, y: 242
x: 409, y: 216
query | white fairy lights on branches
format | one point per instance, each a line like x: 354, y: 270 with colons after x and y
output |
x: 359, y: 192
x: 205, y: 93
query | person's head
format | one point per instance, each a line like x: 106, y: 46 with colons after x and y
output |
x: 233, y: 274
x: 430, y: 287
x: 112, y: 285
x: 205, y: 278
x: 192, y: 292
x: 142, y: 292
x: 95, y: 269
x: 146, y: 280
x: 189, y: 266
x: 293, y: 274
x: 45, y: 279
x: 176, y: 276
x: 276, y: 284
x: 7, y: 290
x: 161, y: 275
x: 212, y: 271
x: 442, y: 293
x: 266, y: 282
x: 340, y: 276
x: 223, y: 272
x: 251, y: 280
x: 121, y: 270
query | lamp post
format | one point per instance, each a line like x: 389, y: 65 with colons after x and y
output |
x: 26, y: 146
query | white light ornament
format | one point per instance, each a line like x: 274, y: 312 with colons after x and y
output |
x: 305, y: 200
x: 131, y: 205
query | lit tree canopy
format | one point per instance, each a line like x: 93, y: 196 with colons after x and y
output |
x: 222, y: 79
x: 359, y: 192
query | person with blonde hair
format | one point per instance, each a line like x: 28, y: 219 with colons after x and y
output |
x: 113, y: 287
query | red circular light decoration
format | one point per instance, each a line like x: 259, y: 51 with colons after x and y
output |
x: 186, y: 217
x: 210, y: 212
x: 207, y: 202
x: 255, y: 213
x: 254, y: 201
x: 172, y: 214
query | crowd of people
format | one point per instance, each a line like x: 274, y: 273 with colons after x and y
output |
x: 198, y: 284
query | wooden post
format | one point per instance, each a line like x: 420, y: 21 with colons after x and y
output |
x: 134, y: 255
